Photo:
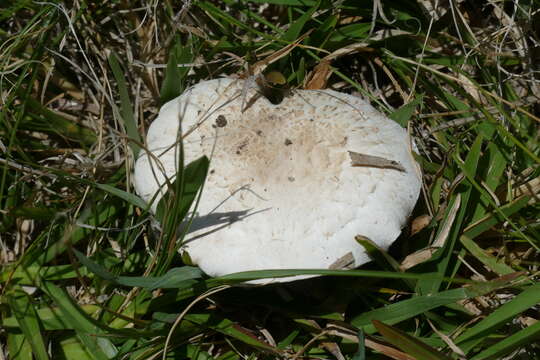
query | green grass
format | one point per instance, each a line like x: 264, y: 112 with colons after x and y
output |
x: 86, y: 274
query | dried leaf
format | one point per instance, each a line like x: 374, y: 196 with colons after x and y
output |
x: 425, y: 254
x: 275, y: 78
x: 448, y: 340
x: 333, y: 349
x: 530, y: 188
x: 253, y: 73
x: 250, y: 82
x: 359, y: 159
x: 365, y: 46
x: 408, y: 343
x: 344, y: 262
x: 470, y: 87
x: 349, y: 20
x: 372, y: 343
x: 259, y: 66
x: 417, y: 258
x: 318, y: 78
x: 348, y: 50
x: 443, y: 234
x: 389, y: 351
x: 420, y: 223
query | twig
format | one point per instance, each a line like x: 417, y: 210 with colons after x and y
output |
x: 23, y: 168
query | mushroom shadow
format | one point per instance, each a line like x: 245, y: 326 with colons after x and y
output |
x: 217, y: 221
x: 220, y: 220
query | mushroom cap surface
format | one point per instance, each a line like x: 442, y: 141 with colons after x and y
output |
x: 281, y: 192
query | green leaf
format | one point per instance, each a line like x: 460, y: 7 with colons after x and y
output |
x: 170, y: 88
x: 94, y: 267
x: 287, y: 341
x: 37, y: 213
x: 30, y: 275
x: 19, y: 347
x: 381, y: 257
x: 286, y: 2
x: 404, y: 113
x: 262, y: 274
x: 349, y: 32
x: 124, y: 195
x: 529, y: 335
x: 505, y: 313
x: 471, y: 161
x: 240, y: 277
x: 86, y: 328
x: 50, y: 318
x: 496, y: 217
x: 219, y: 14
x: 174, y: 278
x: 464, y: 192
x: 126, y: 108
x: 375, y: 253
x: 228, y: 328
x: 28, y: 321
x: 179, y: 197
x: 74, y: 234
x: 442, y: 257
x: 44, y: 119
x: 323, y: 32
x: 295, y: 29
x: 73, y: 349
x: 488, y: 260
x: 174, y: 81
x: 496, y: 164
x: 361, y: 353
x: 408, y: 344
x: 406, y: 309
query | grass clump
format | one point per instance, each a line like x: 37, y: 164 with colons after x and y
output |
x: 86, y: 275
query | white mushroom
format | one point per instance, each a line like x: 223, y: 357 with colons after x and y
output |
x: 281, y: 192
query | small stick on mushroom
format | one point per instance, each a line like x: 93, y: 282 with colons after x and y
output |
x: 344, y: 262
x: 374, y: 161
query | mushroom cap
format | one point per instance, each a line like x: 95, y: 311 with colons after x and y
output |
x: 281, y: 192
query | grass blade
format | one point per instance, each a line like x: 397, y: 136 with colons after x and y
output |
x: 529, y: 335
x: 19, y: 347
x: 286, y: 2
x: 296, y: 27
x: 174, y: 81
x: 46, y: 120
x: 228, y: 328
x: 406, y: 309
x: 404, y: 113
x: 126, y: 108
x: 488, y: 260
x: 73, y: 349
x: 174, y: 278
x: 28, y: 320
x: 496, y: 217
x: 408, y: 344
x: 74, y: 234
x: 527, y: 299
x: 361, y: 353
x: 124, y: 195
x: 87, y: 329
